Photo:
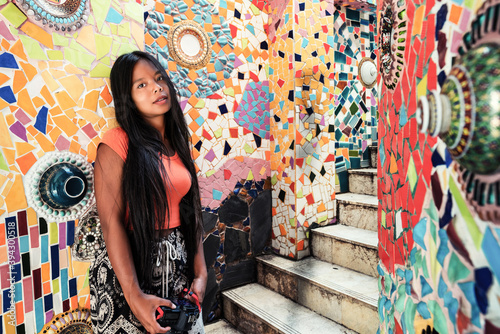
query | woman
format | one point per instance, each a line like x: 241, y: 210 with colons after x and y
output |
x: 148, y: 202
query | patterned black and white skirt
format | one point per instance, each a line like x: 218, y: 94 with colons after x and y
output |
x: 110, y: 312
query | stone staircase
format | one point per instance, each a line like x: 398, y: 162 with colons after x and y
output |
x: 333, y: 291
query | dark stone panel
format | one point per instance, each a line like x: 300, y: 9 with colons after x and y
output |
x: 210, y: 303
x: 238, y: 274
x: 344, y: 181
x: 236, y: 245
x: 261, y: 221
x: 209, y: 221
x: 233, y: 210
x: 210, y: 247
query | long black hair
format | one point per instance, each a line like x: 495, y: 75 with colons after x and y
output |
x: 145, y: 180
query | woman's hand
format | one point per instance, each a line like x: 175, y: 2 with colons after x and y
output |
x: 198, y: 287
x: 144, y: 308
x: 200, y: 275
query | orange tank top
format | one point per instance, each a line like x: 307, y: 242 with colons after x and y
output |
x: 179, y: 177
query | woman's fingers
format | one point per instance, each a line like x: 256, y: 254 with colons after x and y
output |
x: 145, y: 309
x: 167, y: 303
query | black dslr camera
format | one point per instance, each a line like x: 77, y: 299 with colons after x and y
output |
x: 181, y: 319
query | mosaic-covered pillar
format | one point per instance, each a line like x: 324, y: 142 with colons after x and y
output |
x: 314, y: 144
x: 281, y: 83
x: 302, y: 87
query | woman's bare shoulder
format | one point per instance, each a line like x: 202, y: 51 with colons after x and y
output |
x: 117, y: 140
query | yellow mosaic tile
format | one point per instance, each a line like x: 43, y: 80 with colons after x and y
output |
x: 38, y: 34
x: 64, y: 100
x: 73, y: 86
x: 89, y: 115
x: 15, y: 199
x: 72, y: 69
x: 91, y: 100
x: 86, y: 38
x: 13, y: 14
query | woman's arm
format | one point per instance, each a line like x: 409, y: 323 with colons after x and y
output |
x: 200, y: 273
x: 111, y: 208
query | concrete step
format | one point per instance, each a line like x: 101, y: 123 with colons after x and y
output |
x: 363, y: 181
x: 254, y: 309
x: 347, y: 246
x: 357, y: 210
x: 347, y: 297
x: 221, y: 327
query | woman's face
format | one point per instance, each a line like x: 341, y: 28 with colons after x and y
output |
x: 150, y: 92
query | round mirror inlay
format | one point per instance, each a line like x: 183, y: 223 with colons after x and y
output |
x: 189, y: 44
x: 367, y: 72
x: 59, y: 186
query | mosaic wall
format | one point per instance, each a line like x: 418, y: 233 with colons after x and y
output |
x: 439, y: 235
x: 54, y: 96
x: 265, y: 101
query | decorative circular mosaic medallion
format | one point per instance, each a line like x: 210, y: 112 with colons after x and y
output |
x: 63, y: 15
x: 466, y: 114
x: 189, y: 44
x: 392, y: 41
x: 70, y: 322
x: 88, y: 237
x: 59, y: 186
x: 367, y: 72
x: 198, y: 60
x: 484, y: 29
